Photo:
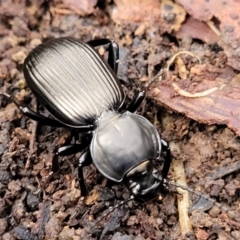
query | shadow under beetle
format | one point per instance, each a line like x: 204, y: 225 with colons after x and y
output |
x: 82, y: 92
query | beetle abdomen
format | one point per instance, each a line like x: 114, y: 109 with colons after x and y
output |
x: 71, y: 81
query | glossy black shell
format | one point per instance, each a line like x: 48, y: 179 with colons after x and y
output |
x: 72, y: 81
x: 123, y: 141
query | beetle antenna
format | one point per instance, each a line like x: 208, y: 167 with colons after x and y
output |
x: 111, y: 209
x: 159, y: 74
x: 11, y: 98
x: 200, y: 195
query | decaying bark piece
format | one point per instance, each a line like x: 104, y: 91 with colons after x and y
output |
x: 227, y: 13
x: 218, y: 107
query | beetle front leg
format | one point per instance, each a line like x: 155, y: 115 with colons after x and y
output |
x: 168, y: 158
x: 113, y: 49
x: 84, y: 160
x: 137, y: 101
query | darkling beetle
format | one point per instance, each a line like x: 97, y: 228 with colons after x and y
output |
x: 82, y: 92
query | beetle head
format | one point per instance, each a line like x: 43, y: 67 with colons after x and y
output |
x: 144, y: 181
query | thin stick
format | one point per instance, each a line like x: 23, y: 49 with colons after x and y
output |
x: 183, y: 199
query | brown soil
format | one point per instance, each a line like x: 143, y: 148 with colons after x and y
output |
x: 35, y: 204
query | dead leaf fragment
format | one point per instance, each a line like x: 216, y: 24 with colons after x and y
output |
x: 136, y: 11
x: 92, y: 197
x: 140, y: 30
x: 201, y: 234
x: 173, y: 13
x: 8, y: 113
x: 81, y: 7
x: 193, y: 28
x: 227, y: 13
x: 66, y: 233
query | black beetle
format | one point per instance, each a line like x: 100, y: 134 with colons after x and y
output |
x: 82, y: 92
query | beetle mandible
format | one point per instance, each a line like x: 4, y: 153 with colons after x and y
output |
x: 81, y: 91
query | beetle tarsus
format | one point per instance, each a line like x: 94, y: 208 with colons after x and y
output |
x: 113, y: 57
x: 55, y: 163
x: 84, y: 160
x: 168, y: 158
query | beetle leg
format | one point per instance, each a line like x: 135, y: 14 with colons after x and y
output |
x: 42, y: 119
x: 84, y: 160
x: 113, y: 56
x: 136, y: 102
x: 39, y: 117
x: 32, y: 114
x: 51, y: 122
x: 113, y: 49
x: 168, y: 158
x: 65, y: 151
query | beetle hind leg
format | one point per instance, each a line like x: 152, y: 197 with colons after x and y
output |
x: 32, y: 114
x: 113, y: 51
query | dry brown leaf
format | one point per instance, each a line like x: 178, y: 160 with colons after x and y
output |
x: 136, y: 11
x: 193, y: 28
x: 8, y: 113
x: 173, y: 13
x: 81, y: 7
x: 168, y: 15
x: 227, y: 13
x: 201, y: 234
x: 92, y: 197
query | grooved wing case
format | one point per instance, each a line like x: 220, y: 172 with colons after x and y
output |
x: 71, y: 80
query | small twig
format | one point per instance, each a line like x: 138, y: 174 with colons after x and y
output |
x: 183, y: 199
x: 213, y: 27
x: 44, y: 217
x: 172, y: 59
x: 198, y: 94
x: 55, y: 10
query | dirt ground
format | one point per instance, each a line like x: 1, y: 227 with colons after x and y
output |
x: 37, y: 204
